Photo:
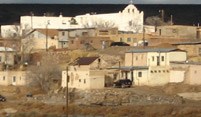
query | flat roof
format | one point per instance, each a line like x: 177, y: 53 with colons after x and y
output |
x: 129, y: 68
x: 187, y: 43
x: 143, y: 50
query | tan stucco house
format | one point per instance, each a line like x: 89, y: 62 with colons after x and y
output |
x: 41, y: 39
x: 185, y: 72
x: 17, y: 78
x: 85, y: 73
x: 150, y: 66
x: 193, y: 47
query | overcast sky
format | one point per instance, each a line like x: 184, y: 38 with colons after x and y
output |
x: 104, y: 1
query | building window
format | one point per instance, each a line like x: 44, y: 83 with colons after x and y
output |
x: 159, y: 71
x: 139, y: 74
x: 152, y: 58
x: 84, y: 33
x: 82, y: 42
x: 136, y: 58
x: 0, y: 59
x: 133, y: 10
x: 128, y: 10
x: 128, y: 39
x: 72, y: 42
x: 152, y: 71
x: 63, y: 33
x: 159, y: 31
x: 84, y: 81
x: 80, y: 80
x: 162, y: 58
x: 14, y: 79
x: 91, y: 41
x: 20, y: 78
x: 4, y: 78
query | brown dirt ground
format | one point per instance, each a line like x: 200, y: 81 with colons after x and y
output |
x: 35, y: 109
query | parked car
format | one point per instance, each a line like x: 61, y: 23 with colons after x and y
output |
x: 119, y: 44
x: 123, y: 83
x: 2, y: 98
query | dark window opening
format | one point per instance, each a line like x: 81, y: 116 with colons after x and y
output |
x: 139, y: 74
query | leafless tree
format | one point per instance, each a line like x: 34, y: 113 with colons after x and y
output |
x: 43, y: 74
x: 73, y: 21
x: 100, y: 24
x: 156, y: 21
x: 134, y: 27
x: 21, y: 40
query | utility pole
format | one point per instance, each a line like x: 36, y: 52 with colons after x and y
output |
x: 119, y: 69
x: 171, y: 19
x: 143, y: 38
x: 31, y: 13
x: 66, y: 91
x: 162, y: 14
x: 47, y: 35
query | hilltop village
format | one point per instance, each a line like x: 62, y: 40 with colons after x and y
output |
x: 92, y: 51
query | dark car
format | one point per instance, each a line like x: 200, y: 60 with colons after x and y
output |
x: 119, y: 44
x: 123, y: 83
x: 2, y: 98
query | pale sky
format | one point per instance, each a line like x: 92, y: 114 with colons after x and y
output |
x: 103, y: 1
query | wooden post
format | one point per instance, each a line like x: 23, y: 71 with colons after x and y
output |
x: 67, y: 91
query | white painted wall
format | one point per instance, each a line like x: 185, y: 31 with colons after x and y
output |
x: 41, y: 22
x: 178, y: 56
x: 159, y: 76
x: 140, y: 81
x: 130, y: 19
x: 151, y: 55
x: 177, y: 76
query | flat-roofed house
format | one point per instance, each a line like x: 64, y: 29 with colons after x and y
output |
x: 185, y: 72
x: 16, y: 78
x: 85, y: 73
x: 150, y: 66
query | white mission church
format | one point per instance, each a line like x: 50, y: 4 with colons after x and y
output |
x: 129, y: 19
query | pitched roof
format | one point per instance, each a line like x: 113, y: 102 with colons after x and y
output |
x: 50, y: 32
x: 84, y: 60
